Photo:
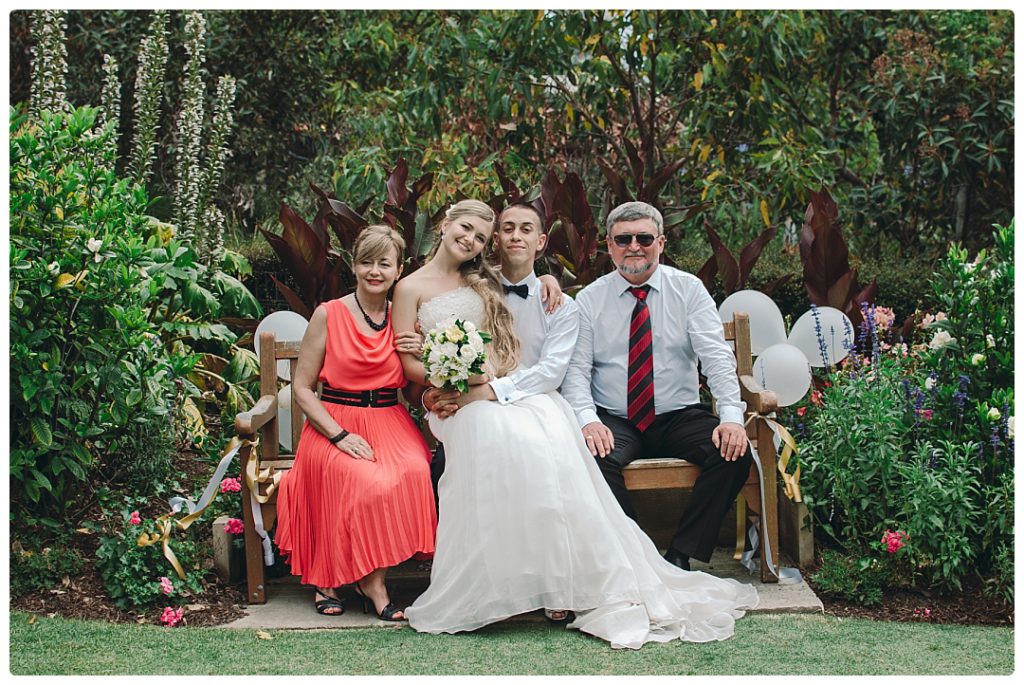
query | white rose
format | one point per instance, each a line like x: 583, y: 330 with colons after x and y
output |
x: 929, y: 383
x: 94, y: 245
x: 977, y: 359
x: 990, y: 341
x: 1009, y: 428
x: 469, y: 326
x: 941, y: 339
x: 994, y: 414
x: 448, y: 350
x: 467, y: 354
x: 436, y: 381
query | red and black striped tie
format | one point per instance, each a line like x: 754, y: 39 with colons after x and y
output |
x: 640, y: 387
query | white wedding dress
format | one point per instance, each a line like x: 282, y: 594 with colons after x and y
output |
x: 527, y: 522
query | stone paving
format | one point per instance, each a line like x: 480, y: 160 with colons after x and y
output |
x: 290, y: 605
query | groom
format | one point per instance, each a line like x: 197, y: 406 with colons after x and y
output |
x: 633, y: 378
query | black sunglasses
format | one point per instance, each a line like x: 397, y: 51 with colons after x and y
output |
x: 625, y: 239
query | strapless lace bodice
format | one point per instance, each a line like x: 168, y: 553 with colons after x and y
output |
x: 462, y: 303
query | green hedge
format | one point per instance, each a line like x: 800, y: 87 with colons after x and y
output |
x: 902, y: 282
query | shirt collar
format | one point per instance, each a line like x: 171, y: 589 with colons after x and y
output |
x: 622, y: 286
x: 531, y: 281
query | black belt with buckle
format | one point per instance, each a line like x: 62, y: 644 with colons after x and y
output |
x: 379, y: 397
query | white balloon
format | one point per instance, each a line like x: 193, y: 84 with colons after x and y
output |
x: 836, y: 335
x: 766, y: 325
x: 284, y: 417
x: 784, y: 370
x: 285, y: 325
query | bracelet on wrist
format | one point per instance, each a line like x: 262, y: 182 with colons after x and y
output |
x: 339, y: 437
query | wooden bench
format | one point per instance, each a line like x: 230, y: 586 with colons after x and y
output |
x: 657, y: 474
x: 266, y: 465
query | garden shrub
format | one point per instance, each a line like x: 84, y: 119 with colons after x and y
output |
x: 900, y: 285
x: 919, y: 440
x: 113, y: 327
x: 90, y: 380
x: 132, y: 572
x: 41, y: 567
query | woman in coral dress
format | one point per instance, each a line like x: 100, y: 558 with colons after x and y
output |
x: 359, y: 498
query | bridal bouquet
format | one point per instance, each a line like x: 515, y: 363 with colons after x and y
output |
x: 453, y: 352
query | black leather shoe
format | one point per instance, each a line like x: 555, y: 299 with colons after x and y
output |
x: 677, y: 558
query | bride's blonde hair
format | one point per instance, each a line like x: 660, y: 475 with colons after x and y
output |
x: 478, y: 274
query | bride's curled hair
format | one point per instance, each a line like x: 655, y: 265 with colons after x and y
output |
x: 483, y: 278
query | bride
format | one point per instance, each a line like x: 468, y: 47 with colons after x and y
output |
x: 526, y: 518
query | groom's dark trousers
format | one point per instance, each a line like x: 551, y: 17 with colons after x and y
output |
x: 681, y: 434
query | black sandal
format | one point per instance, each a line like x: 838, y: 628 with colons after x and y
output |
x: 385, y: 614
x: 322, y: 605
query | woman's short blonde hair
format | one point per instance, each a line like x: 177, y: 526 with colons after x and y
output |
x: 377, y: 241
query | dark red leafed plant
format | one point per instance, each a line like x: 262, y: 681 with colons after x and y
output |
x: 572, y: 254
x: 320, y: 271
x: 735, y: 273
x: 828, y: 277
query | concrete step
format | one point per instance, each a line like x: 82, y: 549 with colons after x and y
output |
x: 290, y: 604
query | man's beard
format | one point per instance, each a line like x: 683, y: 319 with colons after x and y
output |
x: 633, y: 270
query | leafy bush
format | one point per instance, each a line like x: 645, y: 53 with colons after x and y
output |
x: 850, y: 577
x: 107, y: 312
x: 42, y: 568
x: 131, y: 572
x: 920, y: 438
x: 90, y: 379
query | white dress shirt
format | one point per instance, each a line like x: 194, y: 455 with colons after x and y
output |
x: 685, y: 327
x: 547, y: 342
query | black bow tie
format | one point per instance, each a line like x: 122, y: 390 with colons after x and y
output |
x: 522, y: 290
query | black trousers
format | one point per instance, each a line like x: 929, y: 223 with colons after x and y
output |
x: 681, y: 434
x: 436, y: 470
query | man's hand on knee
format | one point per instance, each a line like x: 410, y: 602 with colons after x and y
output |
x: 599, y: 439
x: 730, y: 439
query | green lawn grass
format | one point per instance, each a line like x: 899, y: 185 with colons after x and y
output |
x: 764, y: 644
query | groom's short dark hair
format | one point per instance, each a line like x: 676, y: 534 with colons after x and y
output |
x: 523, y: 204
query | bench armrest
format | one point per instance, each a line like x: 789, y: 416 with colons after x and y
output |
x: 247, y: 423
x: 757, y: 398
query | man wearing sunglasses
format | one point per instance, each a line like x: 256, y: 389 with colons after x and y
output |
x: 633, y: 378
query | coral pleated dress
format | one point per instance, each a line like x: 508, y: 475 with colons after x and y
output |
x: 339, y: 518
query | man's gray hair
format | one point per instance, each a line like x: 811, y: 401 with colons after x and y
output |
x: 634, y: 211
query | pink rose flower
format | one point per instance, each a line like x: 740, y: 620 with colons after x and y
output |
x: 172, y: 617
x: 166, y: 585
x: 135, y: 518
x: 234, y: 526
x: 894, y: 541
x: 801, y: 411
x: 925, y: 414
x: 230, y: 485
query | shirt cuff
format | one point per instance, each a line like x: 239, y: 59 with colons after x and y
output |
x: 587, y: 416
x: 504, y: 389
x: 730, y: 415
